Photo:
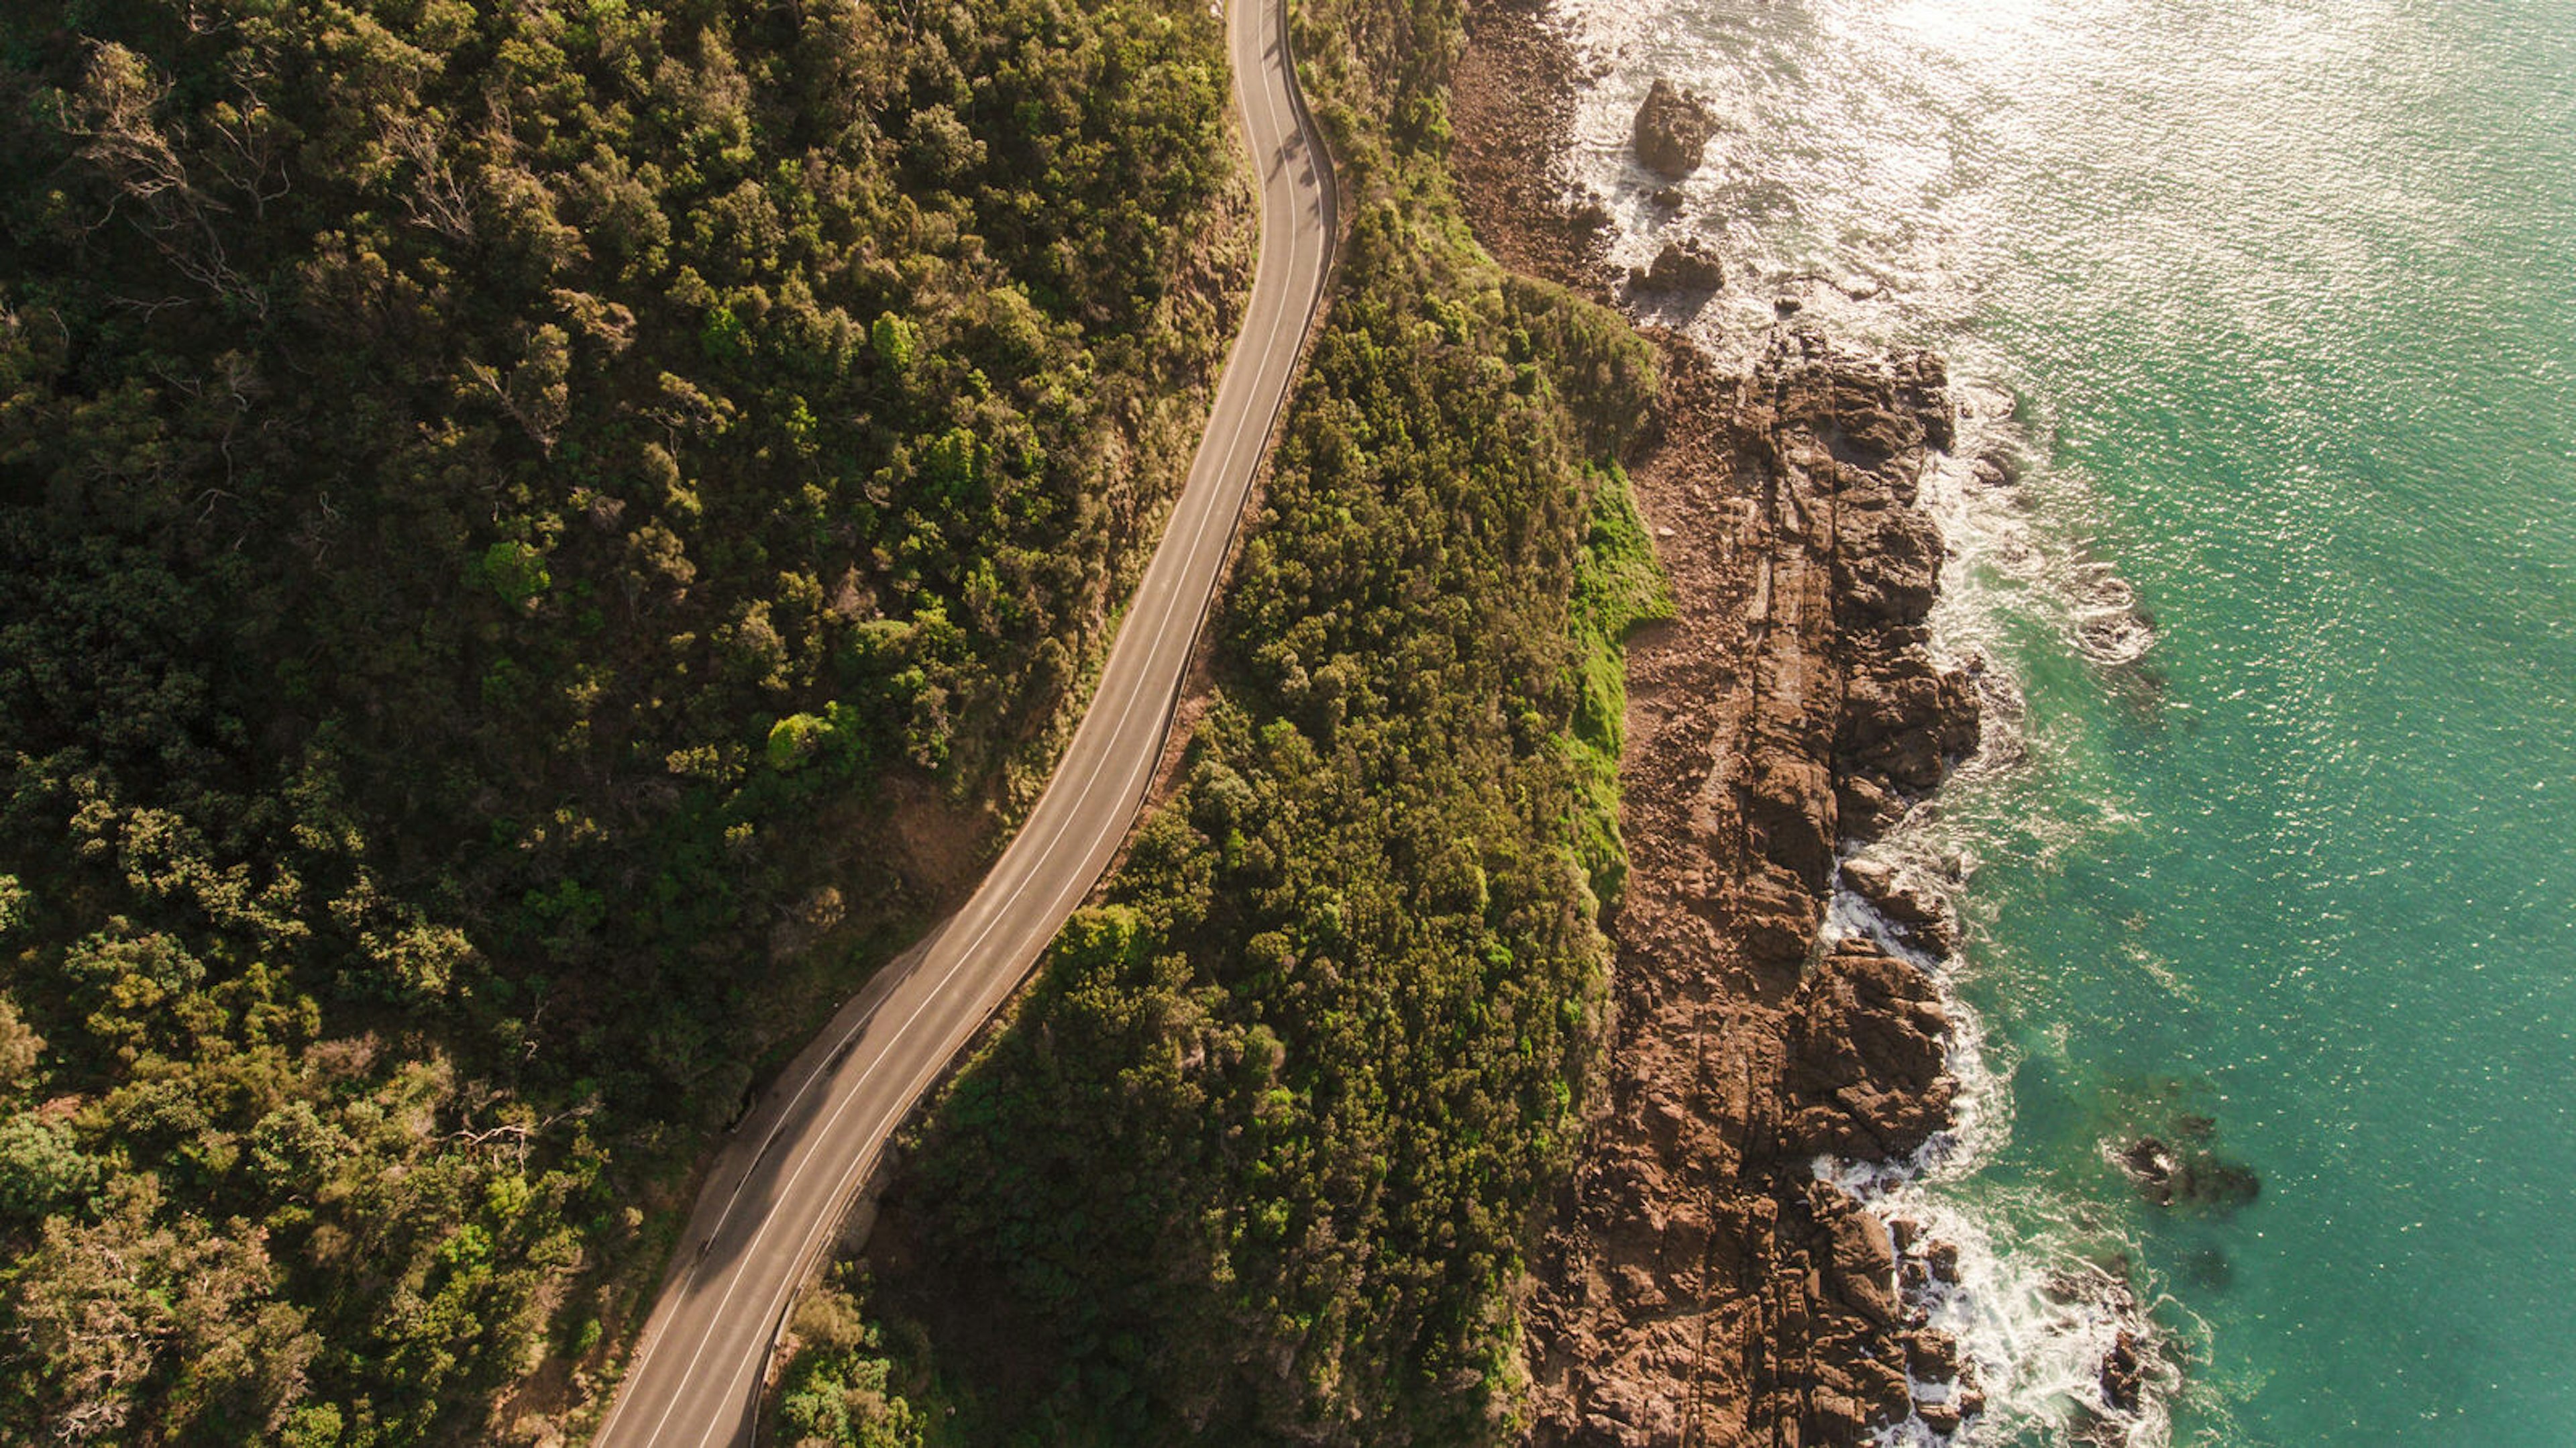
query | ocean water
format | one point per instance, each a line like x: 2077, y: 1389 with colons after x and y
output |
x: 2272, y: 306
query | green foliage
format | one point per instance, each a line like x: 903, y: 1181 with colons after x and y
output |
x: 42, y: 1167
x: 516, y: 572
x: 1256, y: 1160
x: 1377, y: 76
x: 893, y: 338
x: 847, y: 1387
x: 20, y: 1048
x: 443, y: 458
x: 794, y: 738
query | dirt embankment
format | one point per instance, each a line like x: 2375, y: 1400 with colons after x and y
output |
x: 1699, y: 1285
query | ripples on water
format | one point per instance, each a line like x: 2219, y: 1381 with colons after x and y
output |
x: 2265, y: 317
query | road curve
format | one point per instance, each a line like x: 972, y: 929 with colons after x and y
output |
x: 780, y: 1188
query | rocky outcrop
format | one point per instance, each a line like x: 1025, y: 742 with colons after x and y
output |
x: 1865, y: 1078
x: 1916, y: 912
x: 1671, y: 131
x: 1701, y: 1285
x: 1684, y: 268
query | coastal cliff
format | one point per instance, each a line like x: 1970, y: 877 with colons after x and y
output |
x: 1700, y: 1283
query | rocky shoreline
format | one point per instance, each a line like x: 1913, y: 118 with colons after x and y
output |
x: 1700, y: 1282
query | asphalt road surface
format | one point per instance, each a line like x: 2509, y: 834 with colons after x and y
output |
x: 779, y: 1192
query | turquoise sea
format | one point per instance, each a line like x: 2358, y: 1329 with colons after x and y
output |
x: 2280, y: 298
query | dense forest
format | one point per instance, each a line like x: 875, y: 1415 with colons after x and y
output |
x: 495, y: 501
x: 1256, y: 1158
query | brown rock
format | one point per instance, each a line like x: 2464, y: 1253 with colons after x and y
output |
x: 1931, y: 1355
x: 1790, y: 809
x: 1865, y: 1056
x: 1868, y: 808
x: 1868, y: 414
x: 1591, y: 218
x: 1864, y: 1265
x: 1511, y: 108
x: 1906, y: 723
x: 1698, y: 1261
x: 1835, y: 1419
x: 1671, y: 131
x: 1887, y: 566
x: 1884, y: 1395
x: 2124, y: 1372
x: 1686, y: 267
x: 1911, y: 907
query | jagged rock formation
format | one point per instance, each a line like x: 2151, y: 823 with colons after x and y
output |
x: 1671, y: 131
x: 1916, y: 913
x: 2187, y: 1172
x: 1686, y: 267
x: 1701, y: 1285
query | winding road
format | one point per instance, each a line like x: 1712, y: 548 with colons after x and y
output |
x: 778, y: 1192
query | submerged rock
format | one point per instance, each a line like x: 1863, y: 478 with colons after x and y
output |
x: 1995, y: 468
x: 2208, y: 1269
x: 2189, y: 1175
x: 1672, y: 130
x: 2151, y: 1164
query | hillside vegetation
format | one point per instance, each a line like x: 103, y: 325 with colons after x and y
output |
x: 1256, y: 1159
x: 489, y: 495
